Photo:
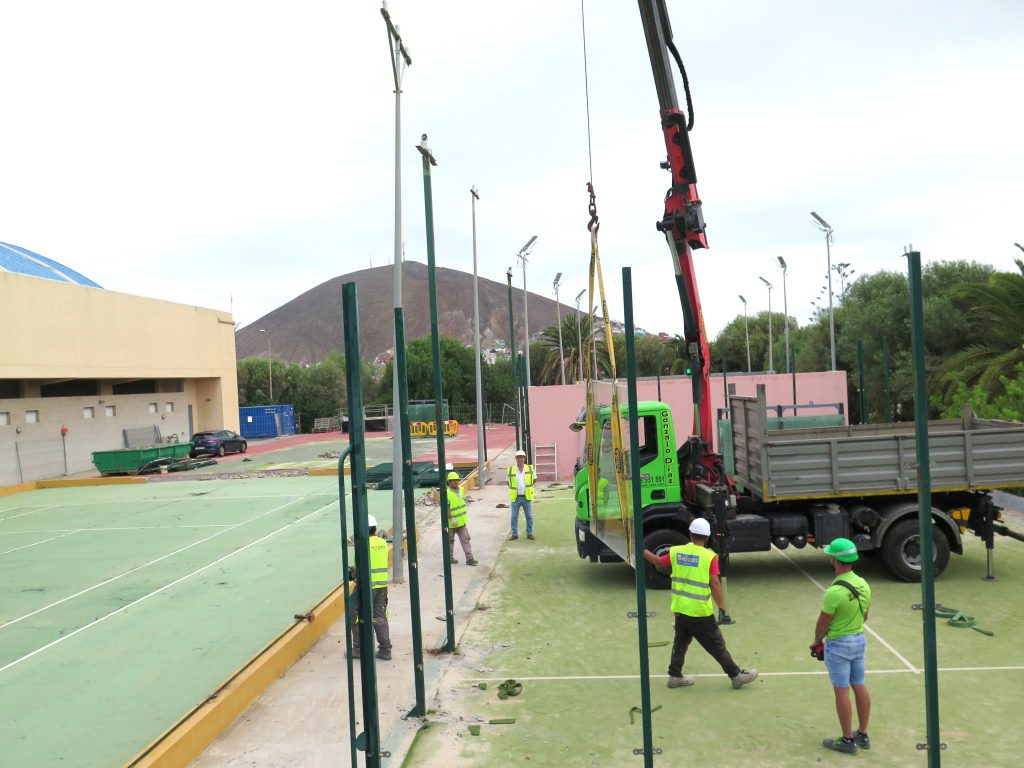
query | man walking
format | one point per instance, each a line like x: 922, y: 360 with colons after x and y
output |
x: 379, y: 587
x: 520, y: 493
x: 840, y: 626
x: 457, y: 519
x: 694, y: 582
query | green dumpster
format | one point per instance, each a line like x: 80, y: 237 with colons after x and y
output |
x: 127, y: 461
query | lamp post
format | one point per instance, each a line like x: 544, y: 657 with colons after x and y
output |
x: 746, y: 330
x: 579, y: 333
x: 558, y: 314
x: 790, y: 369
x: 270, y: 366
x: 523, y: 252
x: 771, y: 359
x: 825, y: 227
x: 481, y: 450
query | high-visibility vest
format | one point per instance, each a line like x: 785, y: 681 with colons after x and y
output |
x: 691, y: 580
x: 513, y: 482
x: 456, y: 509
x: 378, y: 562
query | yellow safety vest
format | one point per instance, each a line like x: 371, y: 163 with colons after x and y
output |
x: 456, y: 509
x: 513, y: 482
x: 691, y: 580
x: 378, y: 562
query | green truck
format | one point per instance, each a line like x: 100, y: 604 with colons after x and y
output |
x: 804, y: 486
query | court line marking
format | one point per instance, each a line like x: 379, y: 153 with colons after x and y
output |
x: 203, y: 497
x: 867, y: 628
x: 120, y: 528
x: 144, y: 565
x: 36, y: 543
x: 818, y: 673
x: 30, y: 512
x: 161, y: 589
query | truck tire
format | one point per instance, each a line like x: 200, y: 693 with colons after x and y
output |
x: 901, y: 550
x: 659, y: 542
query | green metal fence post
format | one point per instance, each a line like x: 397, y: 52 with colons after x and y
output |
x: 402, y: 375
x: 512, y: 354
x: 924, y: 510
x: 369, y: 740
x: 435, y: 347
x: 348, y: 616
x: 640, y: 569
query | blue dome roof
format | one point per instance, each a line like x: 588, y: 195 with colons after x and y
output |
x: 24, y: 262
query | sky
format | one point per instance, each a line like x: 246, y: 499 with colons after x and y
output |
x: 236, y: 154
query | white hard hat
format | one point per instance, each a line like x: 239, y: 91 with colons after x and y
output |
x: 700, y: 527
x: 371, y: 521
x: 520, y: 453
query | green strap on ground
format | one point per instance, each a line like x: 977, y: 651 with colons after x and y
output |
x: 957, y: 618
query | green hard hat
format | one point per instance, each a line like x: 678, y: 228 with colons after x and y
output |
x: 843, y: 550
x: 453, y: 476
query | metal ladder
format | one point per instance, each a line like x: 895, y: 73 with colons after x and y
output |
x: 546, y: 462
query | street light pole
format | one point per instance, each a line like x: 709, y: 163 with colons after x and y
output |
x: 523, y: 252
x: 771, y: 359
x: 790, y: 369
x: 400, y: 59
x: 558, y: 314
x: 746, y: 330
x: 270, y: 366
x: 579, y: 333
x: 480, y: 426
x: 825, y: 227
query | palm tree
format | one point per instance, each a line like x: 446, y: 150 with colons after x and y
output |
x: 571, y: 349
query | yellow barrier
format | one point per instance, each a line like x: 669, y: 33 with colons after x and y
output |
x: 432, y: 429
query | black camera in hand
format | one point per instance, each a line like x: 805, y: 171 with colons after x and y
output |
x: 818, y: 652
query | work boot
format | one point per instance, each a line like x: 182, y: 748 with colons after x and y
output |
x: 744, y: 677
x: 454, y: 561
x: 384, y: 655
x: 513, y: 537
x: 355, y: 653
x: 839, y: 744
x: 681, y: 681
x: 471, y: 562
x: 861, y: 740
x: 530, y: 536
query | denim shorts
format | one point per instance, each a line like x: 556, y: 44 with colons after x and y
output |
x: 844, y: 659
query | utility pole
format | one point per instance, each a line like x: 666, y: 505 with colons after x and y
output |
x: 400, y: 59
x: 558, y: 314
x: 825, y: 227
x: 771, y: 360
x: 523, y: 252
x: 480, y: 450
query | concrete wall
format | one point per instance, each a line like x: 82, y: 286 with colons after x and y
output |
x: 53, y: 332
x: 553, y: 409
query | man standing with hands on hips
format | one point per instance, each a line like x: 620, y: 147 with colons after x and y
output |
x: 840, y: 627
x: 520, y: 493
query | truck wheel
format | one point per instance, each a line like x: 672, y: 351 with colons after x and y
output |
x: 901, y: 550
x: 659, y: 542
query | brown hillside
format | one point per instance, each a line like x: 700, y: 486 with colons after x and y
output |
x: 309, y: 327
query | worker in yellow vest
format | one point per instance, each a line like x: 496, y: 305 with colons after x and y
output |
x: 457, y: 519
x: 379, y: 585
x: 520, y: 493
x: 694, y: 583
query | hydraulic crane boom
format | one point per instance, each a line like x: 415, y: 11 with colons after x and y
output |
x: 683, y: 222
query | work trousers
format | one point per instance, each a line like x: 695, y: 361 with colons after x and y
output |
x: 463, y: 533
x: 705, y: 631
x: 380, y: 618
x: 522, y: 503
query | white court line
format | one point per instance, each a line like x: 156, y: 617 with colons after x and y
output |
x: 162, y: 589
x: 122, y: 528
x: 874, y: 634
x: 820, y: 672
x: 144, y: 565
x: 36, y: 543
x: 30, y: 512
x: 170, y: 499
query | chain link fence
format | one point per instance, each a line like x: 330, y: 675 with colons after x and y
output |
x: 28, y: 460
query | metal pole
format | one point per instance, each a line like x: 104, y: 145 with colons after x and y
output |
x: 481, y: 448
x: 512, y: 354
x: 526, y: 323
x: 924, y: 510
x: 357, y: 441
x: 860, y: 366
x: 435, y: 346
x: 657, y: 366
x: 746, y: 331
x: 527, y: 430
x: 348, y: 594
x: 558, y: 315
x: 402, y: 374
x: 790, y: 363
x: 771, y: 359
x: 399, y: 60
x: 639, y: 569
x: 579, y: 334
x: 887, y: 387
x: 825, y: 227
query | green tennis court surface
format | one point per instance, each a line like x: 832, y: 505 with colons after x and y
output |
x: 559, y: 625
x: 123, y: 607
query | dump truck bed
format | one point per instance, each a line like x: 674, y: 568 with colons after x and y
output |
x: 872, y: 459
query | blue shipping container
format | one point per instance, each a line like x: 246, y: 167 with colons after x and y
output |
x: 267, y: 420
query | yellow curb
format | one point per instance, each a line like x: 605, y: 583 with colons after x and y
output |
x: 35, y: 485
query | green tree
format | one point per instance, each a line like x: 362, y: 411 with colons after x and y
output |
x: 458, y: 371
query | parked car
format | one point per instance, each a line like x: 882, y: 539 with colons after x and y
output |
x: 218, y: 442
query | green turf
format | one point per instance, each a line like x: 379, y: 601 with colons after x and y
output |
x: 545, y: 613
x: 80, y: 693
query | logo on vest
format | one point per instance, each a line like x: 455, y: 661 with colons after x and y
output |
x: 689, y: 561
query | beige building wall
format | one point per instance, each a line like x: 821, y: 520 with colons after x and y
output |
x: 53, y: 331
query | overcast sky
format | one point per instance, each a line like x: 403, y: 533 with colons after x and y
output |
x: 199, y: 151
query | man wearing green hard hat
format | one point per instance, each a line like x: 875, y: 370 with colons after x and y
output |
x: 840, y: 628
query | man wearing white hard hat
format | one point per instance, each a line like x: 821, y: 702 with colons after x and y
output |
x: 520, y: 493
x: 694, y: 583
x: 379, y: 586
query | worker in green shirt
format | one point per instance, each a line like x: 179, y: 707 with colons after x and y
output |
x: 840, y: 627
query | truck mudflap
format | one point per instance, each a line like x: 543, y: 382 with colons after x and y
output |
x: 589, y: 547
